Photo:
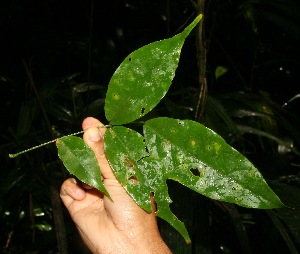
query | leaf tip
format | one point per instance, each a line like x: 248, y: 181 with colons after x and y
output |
x: 189, y: 28
x: 188, y: 241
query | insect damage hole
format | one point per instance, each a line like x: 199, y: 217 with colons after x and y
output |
x: 133, y: 180
x: 195, y: 172
x: 142, y: 110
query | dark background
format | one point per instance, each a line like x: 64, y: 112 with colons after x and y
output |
x: 56, y: 59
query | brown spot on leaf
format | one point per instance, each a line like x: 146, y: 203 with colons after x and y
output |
x: 130, y: 163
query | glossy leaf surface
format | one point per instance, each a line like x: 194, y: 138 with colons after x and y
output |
x: 144, y: 78
x: 181, y: 150
x: 123, y: 149
x: 189, y: 153
x: 80, y: 160
x: 140, y: 174
x: 200, y: 159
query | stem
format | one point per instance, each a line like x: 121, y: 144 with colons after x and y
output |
x: 201, y: 52
x: 33, y: 86
x: 62, y: 240
x: 90, y: 42
x: 59, y: 220
x: 14, y: 155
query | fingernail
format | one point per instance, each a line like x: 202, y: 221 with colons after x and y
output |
x: 74, y: 180
x: 94, y: 135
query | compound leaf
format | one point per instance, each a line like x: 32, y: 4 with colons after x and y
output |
x: 181, y: 150
x: 144, y: 78
x: 80, y: 160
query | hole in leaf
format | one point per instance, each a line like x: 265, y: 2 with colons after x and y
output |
x: 142, y: 110
x: 129, y: 59
x: 195, y: 172
x: 133, y: 180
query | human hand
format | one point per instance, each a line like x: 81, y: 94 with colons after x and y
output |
x: 118, y: 227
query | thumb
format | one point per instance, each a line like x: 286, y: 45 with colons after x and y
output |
x: 93, y: 136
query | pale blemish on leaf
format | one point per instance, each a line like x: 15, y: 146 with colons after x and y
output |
x: 116, y: 96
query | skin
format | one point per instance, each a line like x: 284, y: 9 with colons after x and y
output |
x: 117, y: 227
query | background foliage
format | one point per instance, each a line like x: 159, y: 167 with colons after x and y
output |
x: 56, y: 60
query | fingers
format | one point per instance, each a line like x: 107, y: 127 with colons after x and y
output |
x: 70, y: 191
x: 80, y: 201
x: 93, y: 136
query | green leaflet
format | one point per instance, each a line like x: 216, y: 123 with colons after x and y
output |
x: 200, y: 159
x: 140, y: 173
x: 189, y: 153
x: 144, y: 78
x: 80, y: 160
x: 123, y: 149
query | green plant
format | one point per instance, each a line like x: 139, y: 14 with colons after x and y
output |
x: 182, y: 150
